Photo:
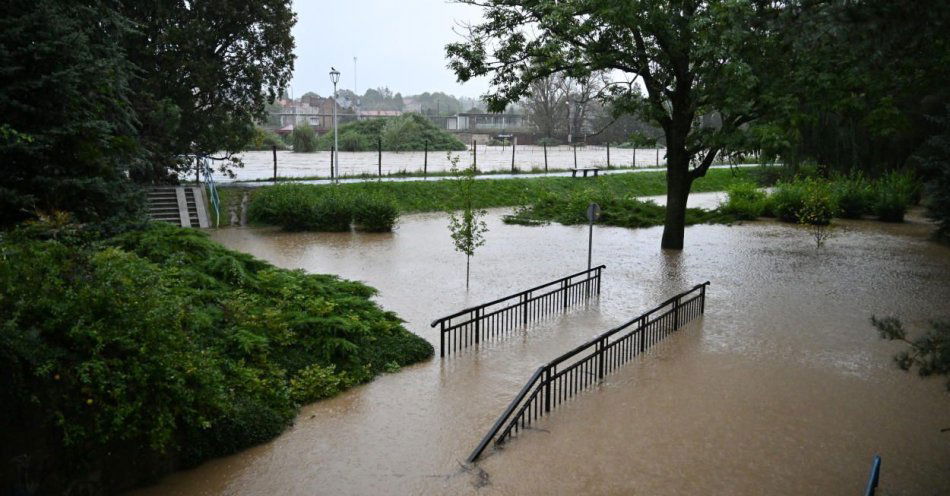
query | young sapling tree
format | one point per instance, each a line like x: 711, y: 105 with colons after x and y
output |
x: 466, y: 223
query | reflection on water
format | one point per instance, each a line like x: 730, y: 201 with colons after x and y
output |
x: 782, y: 388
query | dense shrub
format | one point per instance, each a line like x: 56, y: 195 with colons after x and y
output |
x: 893, y: 193
x: 745, y: 202
x: 374, y: 213
x: 853, y: 195
x: 889, y: 206
x: 298, y: 207
x: 934, y: 161
x: 265, y: 139
x: 158, y: 348
x: 787, y: 201
x: 304, y: 139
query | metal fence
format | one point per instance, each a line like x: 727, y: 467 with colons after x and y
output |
x: 492, y: 320
x: 571, y: 373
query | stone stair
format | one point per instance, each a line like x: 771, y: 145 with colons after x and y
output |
x: 180, y: 205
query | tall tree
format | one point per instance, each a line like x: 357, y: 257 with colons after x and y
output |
x: 867, y: 76
x: 546, y: 105
x: 67, y: 126
x: 692, y: 58
x: 207, y: 69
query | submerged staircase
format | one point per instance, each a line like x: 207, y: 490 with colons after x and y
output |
x: 180, y: 205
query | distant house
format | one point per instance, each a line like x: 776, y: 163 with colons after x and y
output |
x: 483, y: 121
x: 378, y: 114
x: 313, y: 110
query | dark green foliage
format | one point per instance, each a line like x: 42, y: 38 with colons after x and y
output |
x: 265, y: 139
x: 68, y: 128
x: 408, y: 132
x: 297, y: 207
x: 375, y: 213
x: 787, y: 201
x: 892, y: 194
x: 129, y: 356
x: 934, y: 162
x: 304, y: 139
x: 616, y: 210
x: 745, y: 202
x: 206, y: 70
x: 859, y: 80
x: 930, y: 353
x: 853, y: 195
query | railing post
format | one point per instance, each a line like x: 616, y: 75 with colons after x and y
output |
x: 600, y: 357
x: 598, y: 281
x: 442, y: 339
x: 566, y: 284
x: 676, y: 312
x: 524, y: 308
x: 478, y: 312
x: 643, y: 334
x: 547, y: 389
x: 702, y: 299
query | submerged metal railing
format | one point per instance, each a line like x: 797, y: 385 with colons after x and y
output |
x: 491, y: 320
x: 212, y: 191
x: 567, y: 375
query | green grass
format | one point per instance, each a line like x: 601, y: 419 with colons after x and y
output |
x: 431, y: 196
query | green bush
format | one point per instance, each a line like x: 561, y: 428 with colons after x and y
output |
x: 787, y: 200
x: 298, y: 207
x: 265, y: 139
x: 158, y: 348
x: 374, y: 213
x: 853, y: 195
x: 818, y: 203
x: 889, y: 206
x: 745, y: 202
x: 304, y: 139
x: 893, y: 193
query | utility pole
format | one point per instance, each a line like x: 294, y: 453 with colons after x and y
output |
x: 356, y: 93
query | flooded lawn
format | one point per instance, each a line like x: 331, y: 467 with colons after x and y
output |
x: 782, y: 388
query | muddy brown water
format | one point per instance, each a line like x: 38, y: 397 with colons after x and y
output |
x: 781, y: 388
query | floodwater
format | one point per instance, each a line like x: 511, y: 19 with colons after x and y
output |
x: 260, y: 164
x: 783, y: 387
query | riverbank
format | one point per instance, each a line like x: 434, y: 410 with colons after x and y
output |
x: 433, y: 196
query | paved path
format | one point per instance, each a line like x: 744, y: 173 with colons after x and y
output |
x: 255, y: 184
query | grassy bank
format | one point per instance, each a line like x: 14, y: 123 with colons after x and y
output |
x: 129, y: 356
x: 430, y: 196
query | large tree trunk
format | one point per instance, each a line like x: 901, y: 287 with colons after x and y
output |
x: 678, y: 183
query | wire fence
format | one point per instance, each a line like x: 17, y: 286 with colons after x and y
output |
x: 260, y: 165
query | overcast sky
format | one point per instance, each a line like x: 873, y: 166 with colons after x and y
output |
x: 397, y: 43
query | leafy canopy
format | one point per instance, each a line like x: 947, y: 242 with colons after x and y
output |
x: 692, y: 59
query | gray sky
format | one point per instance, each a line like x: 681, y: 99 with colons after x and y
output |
x: 398, y: 43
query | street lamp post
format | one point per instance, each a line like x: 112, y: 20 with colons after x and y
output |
x: 335, y: 78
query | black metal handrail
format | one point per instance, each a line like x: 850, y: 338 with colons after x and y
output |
x: 489, y: 320
x: 572, y: 372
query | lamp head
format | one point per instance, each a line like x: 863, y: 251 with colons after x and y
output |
x: 334, y: 75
